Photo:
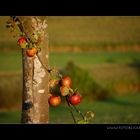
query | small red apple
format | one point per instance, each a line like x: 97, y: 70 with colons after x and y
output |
x: 31, y: 52
x: 54, y: 100
x: 66, y: 81
x: 64, y: 90
x: 75, y: 99
x: 22, y: 42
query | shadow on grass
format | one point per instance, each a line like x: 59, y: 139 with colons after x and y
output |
x: 119, y: 102
x: 4, y: 115
x: 135, y: 64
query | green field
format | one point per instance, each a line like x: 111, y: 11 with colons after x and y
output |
x: 117, y: 72
x: 106, y: 68
x: 103, y: 66
x: 11, y: 61
x: 117, y: 110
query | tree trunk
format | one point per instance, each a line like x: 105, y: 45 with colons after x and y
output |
x: 35, y: 107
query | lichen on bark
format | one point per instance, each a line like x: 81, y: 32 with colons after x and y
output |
x: 39, y: 72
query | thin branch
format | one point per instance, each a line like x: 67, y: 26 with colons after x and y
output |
x: 48, y: 70
x: 80, y: 113
x: 21, y: 27
x: 70, y: 109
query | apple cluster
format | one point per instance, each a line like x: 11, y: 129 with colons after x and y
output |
x: 72, y: 97
x: 23, y: 43
x: 65, y: 84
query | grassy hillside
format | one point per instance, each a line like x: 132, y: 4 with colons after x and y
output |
x: 92, y: 31
x: 86, y: 31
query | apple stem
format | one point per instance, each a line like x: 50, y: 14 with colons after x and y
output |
x: 71, y: 91
x: 70, y: 109
x: 75, y: 90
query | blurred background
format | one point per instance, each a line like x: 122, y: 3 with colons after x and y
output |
x: 100, y: 53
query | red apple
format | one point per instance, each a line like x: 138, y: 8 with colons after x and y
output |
x: 75, y: 99
x: 22, y: 42
x: 66, y: 81
x: 54, y: 100
x: 64, y: 90
x: 31, y: 52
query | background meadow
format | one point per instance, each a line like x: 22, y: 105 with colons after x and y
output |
x: 102, y: 55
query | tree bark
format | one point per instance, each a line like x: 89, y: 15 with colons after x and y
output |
x: 35, y: 107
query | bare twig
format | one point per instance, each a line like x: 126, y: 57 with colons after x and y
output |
x: 80, y: 113
x: 48, y: 70
x: 21, y: 27
x: 70, y: 110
